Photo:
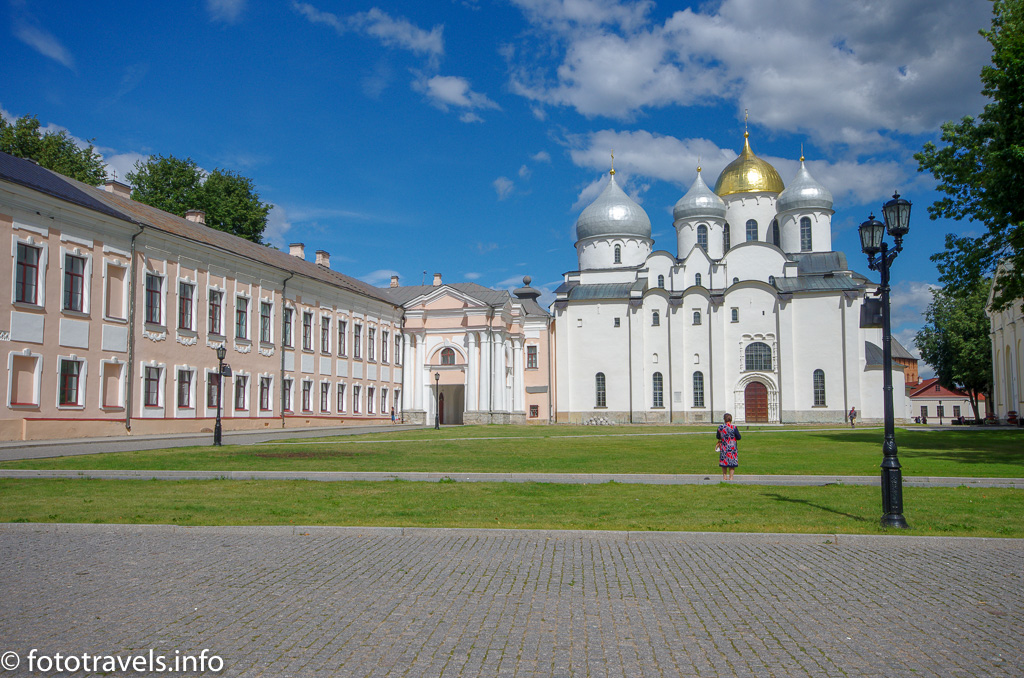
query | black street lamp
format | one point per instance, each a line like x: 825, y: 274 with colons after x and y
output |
x: 437, y: 400
x: 221, y: 353
x: 897, y: 221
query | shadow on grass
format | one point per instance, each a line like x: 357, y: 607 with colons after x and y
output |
x: 972, y: 445
x: 811, y: 504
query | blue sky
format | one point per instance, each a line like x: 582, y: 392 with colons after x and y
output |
x: 465, y: 136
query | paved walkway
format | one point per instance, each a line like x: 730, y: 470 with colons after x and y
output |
x: 298, y: 601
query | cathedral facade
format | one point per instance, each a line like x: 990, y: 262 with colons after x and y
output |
x: 754, y: 314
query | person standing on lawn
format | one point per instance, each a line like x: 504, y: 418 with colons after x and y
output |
x: 853, y: 417
x: 728, y: 456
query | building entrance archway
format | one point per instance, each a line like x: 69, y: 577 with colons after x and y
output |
x: 755, y: 403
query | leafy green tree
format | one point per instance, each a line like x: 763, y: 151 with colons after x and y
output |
x: 980, y: 167
x: 955, y: 339
x: 229, y: 199
x: 53, y: 150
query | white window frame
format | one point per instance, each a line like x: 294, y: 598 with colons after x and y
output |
x: 246, y: 395
x: 153, y: 411
x: 247, y: 337
x: 270, y: 302
x: 223, y: 296
x: 269, y: 411
x: 324, y: 397
x: 107, y: 315
x: 80, y: 389
x: 86, y: 279
x: 178, y: 409
x: 340, y: 395
x: 44, y: 250
x: 37, y: 378
x: 121, y: 383
x: 177, y: 310
x: 145, y: 298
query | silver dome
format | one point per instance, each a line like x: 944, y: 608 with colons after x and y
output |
x: 699, y: 201
x: 804, y: 193
x: 613, y: 213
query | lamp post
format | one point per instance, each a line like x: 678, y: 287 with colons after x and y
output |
x: 897, y: 221
x: 437, y: 400
x: 221, y: 353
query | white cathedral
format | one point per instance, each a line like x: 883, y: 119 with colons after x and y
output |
x: 754, y: 314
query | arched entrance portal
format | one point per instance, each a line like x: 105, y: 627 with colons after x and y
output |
x: 755, y: 400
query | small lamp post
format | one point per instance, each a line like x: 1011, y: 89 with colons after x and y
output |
x: 217, y: 430
x: 897, y: 221
x: 437, y: 400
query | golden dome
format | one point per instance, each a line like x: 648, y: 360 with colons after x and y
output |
x: 748, y: 173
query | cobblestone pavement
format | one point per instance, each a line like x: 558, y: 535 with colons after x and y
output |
x: 418, y: 602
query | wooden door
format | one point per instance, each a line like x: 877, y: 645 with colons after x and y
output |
x: 755, y: 399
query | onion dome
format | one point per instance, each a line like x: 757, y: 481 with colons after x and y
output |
x: 699, y: 201
x: 747, y: 174
x: 804, y: 193
x: 613, y: 213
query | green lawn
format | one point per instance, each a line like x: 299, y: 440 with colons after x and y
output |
x: 972, y: 452
x: 610, y: 506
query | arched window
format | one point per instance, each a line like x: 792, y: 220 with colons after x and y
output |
x: 776, y: 238
x: 819, y: 388
x: 659, y: 396
x: 698, y: 389
x: 735, y: 280
x: 751, y: 230
x: 702, y: 237
x: 735, y: 315
x: 696, y: 317
x: 759, y: 357
x: 618, y: 254
x: 661, y: 281
x: 728, y: 239
x: 696, y: 280
x: 771, y: 280
x: 805, y: 234
x: 601, y: 400
x: 447, y: 356
x: 655, y: 319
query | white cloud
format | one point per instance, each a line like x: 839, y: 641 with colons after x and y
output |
x: 469, y: 116
x: 541, y: 156
x: 390, y: 31
x: 504, y: 187
x: 226, y: 11
x: 449, y: 90
x: 27, y: 29
x: 379, y: 277
x: 524, y: 172
x: 278, y: 226
x: 472, y: 275
x: 120, y: 164
x: 908, y: 300
x: 844, y: 73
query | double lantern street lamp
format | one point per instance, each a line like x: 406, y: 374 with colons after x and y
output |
x: 437, y: 400
x: 897, y: 222
x: 217, y: 430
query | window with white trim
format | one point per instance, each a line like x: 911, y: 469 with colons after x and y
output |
x: 154, y: 299
x: 342, y: 336
x: 186, y: 299
x: 24, y: 381
x: 758, y: 357
x: 384, y: 339
x: 114, y: 296
x: 212, y: 390
x: 216, y: 313
x: 286, y: 395
x: 658, y: 390
x: 601, y: 397
x: 371, y: 342
x: 370, y: 392
x: 27, y: 287
x: 751, y: 230
x: 69, y: 388
x: 531, y: 358
x: 74, y: 283
x: 325, y: 397
x: 184, y: 389
x: 698, y: 389
x: 806, y: 238
x: 112, y: 385
x: 355, y: 399
x: 307, y: 396
x: 266, y: 389
x: 325, y: 335
x: 241, y: 392
x: 307, y: 331
x: 819, y: 388
x: 357, y: 341
x: 242, y: 318
x: 266, y: 322
x: 286, y: 327
x: 341, y: 398
x: 702, y: 237
x: 151, y: 391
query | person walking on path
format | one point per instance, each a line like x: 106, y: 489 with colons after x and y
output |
x: 392, y: 415
x: 853, y: 417
x: 728, y: 456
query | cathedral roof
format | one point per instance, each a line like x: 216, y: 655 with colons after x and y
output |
x: 748, y: 173
x: 804, y: 192
x: 699, y: 201
x: 613, y: 213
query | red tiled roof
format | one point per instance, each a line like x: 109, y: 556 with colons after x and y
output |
x: 926, y: 389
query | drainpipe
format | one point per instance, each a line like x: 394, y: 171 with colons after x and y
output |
x: 711, y: 363
x: 284, y: 290
x: 131, y: 334
x: 629, y: 326
x: 669, y: 315
x: 778, y: 357
x: 846, y: 383
x: 551, y: 388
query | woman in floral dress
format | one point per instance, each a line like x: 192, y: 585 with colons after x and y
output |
x: 728, y: 458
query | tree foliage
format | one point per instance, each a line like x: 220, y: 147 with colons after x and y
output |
x: 980, y: 167
x: 53, y: 150
x: 955, y: 339
x: 229, y: 199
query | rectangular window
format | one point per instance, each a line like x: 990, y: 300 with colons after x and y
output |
x: 287, y: 395
x: 241, y: 389
x: 70, y: 371
x: 956, y: 411
x: 384, y: 336
x: 265, y: 311
x: 398, y: 349
x: 151, y: 387
x: 355, y: 400
x: 325, y: 335
x: 342, y: 328
x: 307, y: 331
x: 185, y: 389
x: 357, y: 338
x: 383, y: 401
x: 307, y: 396
x: 212, y: 389
x: 27, y: 281
x: 111, y: 385
x: 369, y: 399
x: 115, y: 292
x: 924, y: 411
x: 185, y: 294
x: 534, y: 411
x: 325, y: 397
x: 940, y: 411
x: 154, y: 286
x: 698, y: 389
x: 241, y: 318
x: 341, y: 397
x: 216, y: 302
x: 371, y: 343
x: 74, y: 282
x: 286, y: 328
x: 265, y: 393
x: 531, y: 357
x: 23, y: 380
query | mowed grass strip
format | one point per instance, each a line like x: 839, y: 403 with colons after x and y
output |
x: 969, y: 452
x: 961, y: 511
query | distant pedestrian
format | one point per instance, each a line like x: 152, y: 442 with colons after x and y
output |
x: 392, y: 415
x: 853, y: 417
x: 728, y: 456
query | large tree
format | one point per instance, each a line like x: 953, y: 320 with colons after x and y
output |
x: 53, y: 150
x: 980, y: 166
x: 229, y: 199
x: 955, y: 339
